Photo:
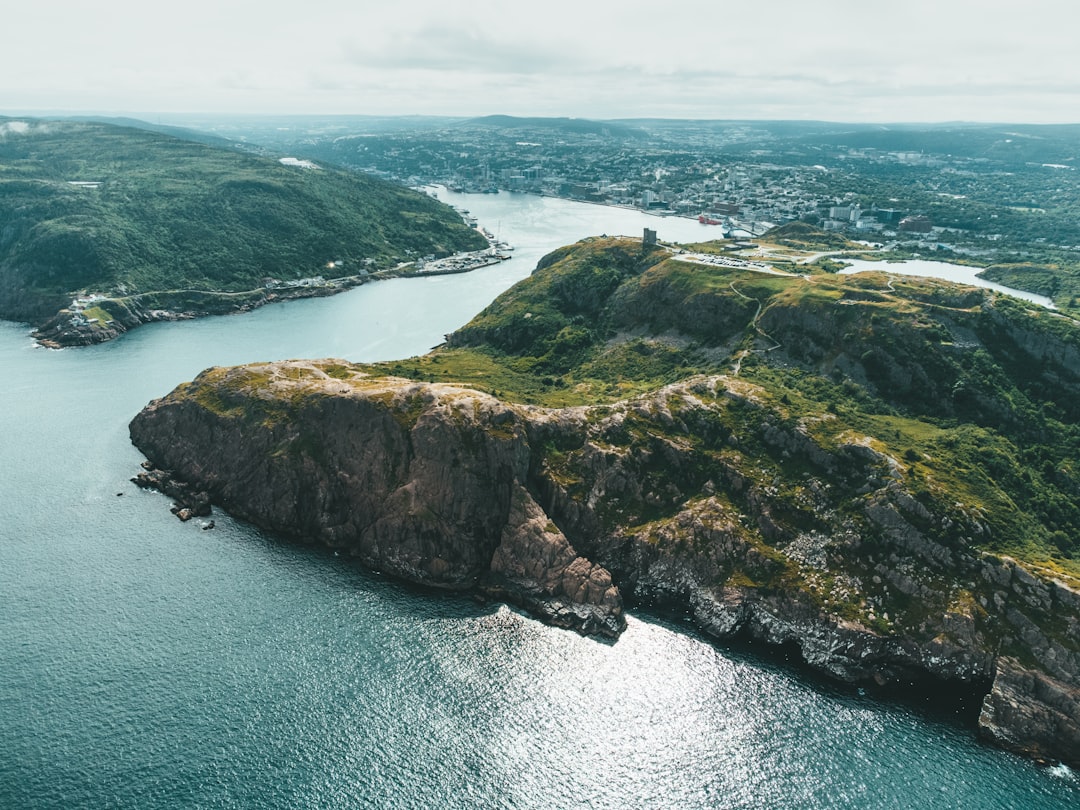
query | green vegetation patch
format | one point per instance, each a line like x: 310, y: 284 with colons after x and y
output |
x: 164, y: 214
x: 804, y: 236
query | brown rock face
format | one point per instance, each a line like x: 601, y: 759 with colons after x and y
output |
x: 1032, y: 713
x: 672, y: 498
x: 536, y: 565
x: 425, y: 482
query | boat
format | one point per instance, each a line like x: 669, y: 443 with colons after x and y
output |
x: 710, y: 219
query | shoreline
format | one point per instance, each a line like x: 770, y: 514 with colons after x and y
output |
x: 622, y: 206
x: 70, y: 328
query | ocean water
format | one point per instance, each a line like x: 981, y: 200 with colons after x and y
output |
x: 147, y: 663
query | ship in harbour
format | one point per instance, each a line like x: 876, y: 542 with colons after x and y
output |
x: 724, y: 222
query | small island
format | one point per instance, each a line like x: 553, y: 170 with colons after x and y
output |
x: 874, y: 470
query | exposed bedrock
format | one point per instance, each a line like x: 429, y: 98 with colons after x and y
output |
x: 673, y: 497
x: 425, y: 482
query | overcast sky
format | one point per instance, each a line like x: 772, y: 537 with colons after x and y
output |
x: 845, y: 60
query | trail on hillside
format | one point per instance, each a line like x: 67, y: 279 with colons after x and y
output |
x: 740, y: 356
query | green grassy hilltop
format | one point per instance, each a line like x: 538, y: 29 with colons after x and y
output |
x: 974, y: 395
x: 98, y: 208
x: 880, y: 470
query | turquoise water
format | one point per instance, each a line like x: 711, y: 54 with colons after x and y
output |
x: 146, y: 663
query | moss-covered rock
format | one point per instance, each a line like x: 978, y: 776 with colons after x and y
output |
x: 878, y: 471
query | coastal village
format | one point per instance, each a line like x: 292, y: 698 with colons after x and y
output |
x: 496, y: 251
x: 743, y: 193
x: 86, y: 312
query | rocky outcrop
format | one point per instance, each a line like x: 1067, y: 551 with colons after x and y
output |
x: 1031, y: 713
x: 72, y: 327
x: 188, y: 502
x: 424, y: 482
x: 536, y: 566
x: 700, y: 497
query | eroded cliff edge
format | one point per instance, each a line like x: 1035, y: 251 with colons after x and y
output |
x: 880, y: 471
x: 673, y: 497
x: 424, y: 482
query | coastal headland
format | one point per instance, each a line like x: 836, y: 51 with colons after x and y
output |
x: 106, y: 227
x: 872, y: 470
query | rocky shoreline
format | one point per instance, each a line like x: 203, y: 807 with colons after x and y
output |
x: 562, y: 511
x: 71, y: 327
x: 422, y: 490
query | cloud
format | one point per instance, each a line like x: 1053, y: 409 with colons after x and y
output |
x: 17, y: 128
x: 458, y: 49
x: 833, y: 58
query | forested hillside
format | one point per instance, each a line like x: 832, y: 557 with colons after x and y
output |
x: 95, y: 208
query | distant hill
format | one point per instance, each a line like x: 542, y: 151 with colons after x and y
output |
x: 94, y: 207
x: 182, y: 132
x: 578, y: 126
x: 290, y: 132
x: 1009, y: 143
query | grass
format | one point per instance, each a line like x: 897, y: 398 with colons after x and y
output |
x: 175, y: 215
x: 97, y: 313
x: 930, y: 377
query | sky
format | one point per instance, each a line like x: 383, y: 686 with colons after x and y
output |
x: 838, y: 60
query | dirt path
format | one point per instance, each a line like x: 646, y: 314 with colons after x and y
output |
x: 742, y: 355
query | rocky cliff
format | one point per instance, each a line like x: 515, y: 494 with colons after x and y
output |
x: 427, y: 483
x: 877, y: 471
x: 672, y: 497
